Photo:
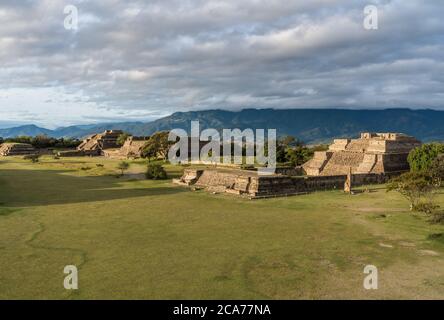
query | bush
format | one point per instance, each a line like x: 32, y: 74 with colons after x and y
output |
x: 426, y: 207
x: 155, y: 172
x: 415, y: 186
x: 420, y: 159
x: 437, y: 217
x: 43, y: 141
x: 123, y: 166
x: 122, y: 138
x: 33, y: 157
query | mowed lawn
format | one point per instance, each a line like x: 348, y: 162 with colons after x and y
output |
x: 138, y: 239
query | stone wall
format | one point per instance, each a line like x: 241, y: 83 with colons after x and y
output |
x: 250, y: 184
x: 16, y: 149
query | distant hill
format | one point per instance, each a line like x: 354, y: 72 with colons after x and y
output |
x: 26, y: 130
x: 309, y: 125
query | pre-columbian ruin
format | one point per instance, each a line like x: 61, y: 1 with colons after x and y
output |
x: 371, y: 153
x: 373, y: 158
x: 222, y: 155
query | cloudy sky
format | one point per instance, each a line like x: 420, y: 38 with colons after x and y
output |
x: 140, y: 60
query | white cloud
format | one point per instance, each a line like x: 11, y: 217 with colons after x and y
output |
x: 147, y: 58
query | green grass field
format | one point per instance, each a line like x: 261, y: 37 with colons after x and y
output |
x: 137, y: 239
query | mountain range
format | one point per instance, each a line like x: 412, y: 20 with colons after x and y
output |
x: 309, y: 125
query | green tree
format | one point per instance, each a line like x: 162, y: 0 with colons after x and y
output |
x: 155, y: 172
x: 123, y: 166
x: 436, y: 170
x: 157, y: 146
x: 415, y: 186
x: 421, y: 158
x: 298, y: 155
x: 122, y: 138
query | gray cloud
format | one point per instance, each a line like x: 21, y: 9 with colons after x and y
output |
x: 162, y: 56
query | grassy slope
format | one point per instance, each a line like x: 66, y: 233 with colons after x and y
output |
x: 144, y: 239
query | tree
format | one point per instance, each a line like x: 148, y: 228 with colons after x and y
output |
x: 299, y: 155
x: 123, y: 166
x: 415, y: 186
x: 122, y: 138
x: 157, y: 146
x: 155, y: 172
x: 436, y: 170
x: 421, y: 158
x: 283, y: 147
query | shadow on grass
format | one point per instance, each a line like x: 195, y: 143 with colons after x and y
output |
x: 26, y: 188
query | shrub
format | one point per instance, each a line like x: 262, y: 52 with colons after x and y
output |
x: 123, y: 166
x: 33, y: 157
x: 155, y: 172
x: 122, y: 138
x: 437, y: 217
x: 426, y: 207
x: 415, y: 186
x: 421, y: 158
x: 436, y: 170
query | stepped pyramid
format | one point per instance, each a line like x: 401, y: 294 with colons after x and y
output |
x: 372, y: 153
x: 16, y: 149
x: 101, y: 141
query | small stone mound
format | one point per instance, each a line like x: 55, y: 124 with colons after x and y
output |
x: 16, y: 149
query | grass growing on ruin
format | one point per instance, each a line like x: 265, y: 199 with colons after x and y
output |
x: 132, y: 238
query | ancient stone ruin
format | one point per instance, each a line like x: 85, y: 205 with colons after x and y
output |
x: 16, y: 149
x: 101, y: 141
x: 372, y: 153
x: 372, y: 159
x: 254, y: 186
x: 132, y: 148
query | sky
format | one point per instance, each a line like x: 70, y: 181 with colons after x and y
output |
x: 131, y: 60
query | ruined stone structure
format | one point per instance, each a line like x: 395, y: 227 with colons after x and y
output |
x: 133, y: 146
x: 372, y: 153
x: 96, y: 143
x: 249, y: 184
x: 372, y: 159
x: 16, y: 149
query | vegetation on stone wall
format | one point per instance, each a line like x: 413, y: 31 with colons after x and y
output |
x: 43, y: 141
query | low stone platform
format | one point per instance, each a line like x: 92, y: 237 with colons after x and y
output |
x: 251, y: 185
x: 17, y: 149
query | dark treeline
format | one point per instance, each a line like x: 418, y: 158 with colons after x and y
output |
x: 43, y: 141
